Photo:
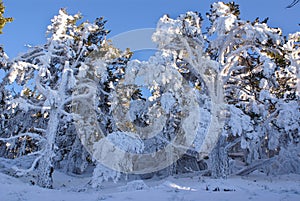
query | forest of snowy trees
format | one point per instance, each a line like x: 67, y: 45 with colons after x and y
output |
x: 215, y: 100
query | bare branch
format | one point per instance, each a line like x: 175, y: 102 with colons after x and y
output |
x: 293, y: 4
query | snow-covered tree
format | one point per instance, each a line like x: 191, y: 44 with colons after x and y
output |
x: 47, y: 76
x: 260, y: 81
x: 97, y: 79
x: 243, y: 64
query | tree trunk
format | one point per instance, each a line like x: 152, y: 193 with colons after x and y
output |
x: 45, y: 165
x: 219, y: 163
x: 77, y: 161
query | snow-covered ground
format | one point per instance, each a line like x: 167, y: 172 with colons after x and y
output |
x: 182, y: 188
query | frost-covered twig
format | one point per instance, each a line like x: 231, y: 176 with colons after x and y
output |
x: 233, y: 143
x: 40, y: 87
x: 79, y: 97
x: 27, y: 134
x: 38, y: 129
x: 22, y: 172
x: 254, y: 166
x: 25, y: 104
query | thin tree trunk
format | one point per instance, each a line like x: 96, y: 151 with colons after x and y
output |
x: 219, y: 161
x: 45, y: 165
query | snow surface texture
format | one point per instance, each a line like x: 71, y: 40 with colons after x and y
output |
x: 186, y: 188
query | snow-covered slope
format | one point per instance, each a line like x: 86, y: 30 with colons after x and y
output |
x: 185, y: 188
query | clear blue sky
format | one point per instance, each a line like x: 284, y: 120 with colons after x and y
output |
x: 33, y: 16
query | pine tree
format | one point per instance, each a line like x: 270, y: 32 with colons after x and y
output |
x: 51, y: 69
x: 3, y: 20
x: 247, y: 59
